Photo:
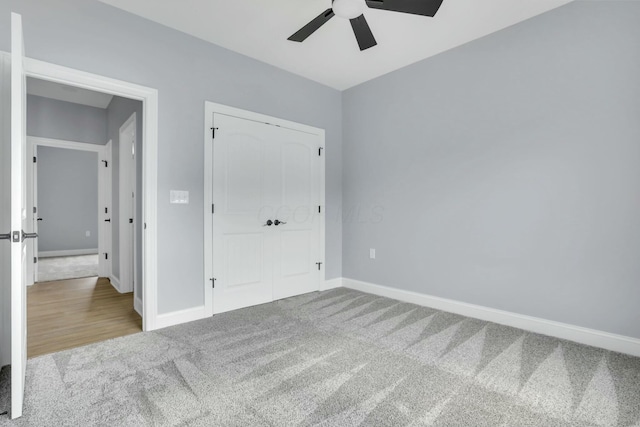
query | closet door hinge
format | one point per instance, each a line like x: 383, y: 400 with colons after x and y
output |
x: 213, y: 208
x: 35, y: 159
x: 213, y: 133
x: 106, y: 163
x: 318, y: 264
x: 35, y: 259
x: 213, y: 282
x: 320, y: 151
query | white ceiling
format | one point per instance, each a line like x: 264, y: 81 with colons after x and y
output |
x: 66, y: 93
x: 259, y: 29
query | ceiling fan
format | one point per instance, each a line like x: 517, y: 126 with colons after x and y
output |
x: 352, y: 10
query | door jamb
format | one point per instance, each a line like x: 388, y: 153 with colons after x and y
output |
x: 209, y: 109
x: 105, y: 179
x: 149, y: 97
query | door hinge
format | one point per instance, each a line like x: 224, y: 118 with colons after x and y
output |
x: 106, y: 210
x: 319, y: 209
x: 318, y: 264
x: 35, y: 210
x: 213, y: 208
x: 106, y: 255
x: 320, y: 151
x: 106, y: 163
x: 213, y: 133
x: 213, y: 282
x: 35, y: 260
x: 35, y: 160
x: 145, y: 225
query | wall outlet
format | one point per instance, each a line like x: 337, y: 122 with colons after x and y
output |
x: 87, y: 233
x: 372, y: 253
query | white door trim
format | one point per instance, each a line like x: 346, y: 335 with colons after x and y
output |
x: 104, y: 188
x: 149, y: 97
x: 126, y: 184
x: 70, y: 145
x: 209, y: 109
x: 105, y: 229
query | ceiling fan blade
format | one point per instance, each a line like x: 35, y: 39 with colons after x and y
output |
x: 415, y: 7
x: 312, y: 26
x: 363, y: 32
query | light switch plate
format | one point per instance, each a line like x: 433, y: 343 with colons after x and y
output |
x: 179, y: 197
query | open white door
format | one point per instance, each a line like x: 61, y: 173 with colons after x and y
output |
x: 127, y: 218
x: 18, y: 219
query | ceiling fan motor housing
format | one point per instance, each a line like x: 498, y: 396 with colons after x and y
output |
x: 348, y: 9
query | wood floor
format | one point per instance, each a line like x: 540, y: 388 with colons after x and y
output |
x: 70, y: 313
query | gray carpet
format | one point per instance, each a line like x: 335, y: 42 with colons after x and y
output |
x: 336, y: 358
x: 67, y: 267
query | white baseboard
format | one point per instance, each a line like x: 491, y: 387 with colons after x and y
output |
x: 115, y: 282
x: 71, y: 252
x: 331, y: 284
x: 181, y: 316
x: 592, y: 337
x: 137, y: 305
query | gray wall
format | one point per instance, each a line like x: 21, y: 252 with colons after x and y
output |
x: 506, y: 171
x: 50, y: 118
x: 118, y: 112
x: 67, y: 199
x: 187, y: 72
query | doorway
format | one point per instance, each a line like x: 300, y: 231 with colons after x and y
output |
x: 265, y: 222
x: 70, y: 194
x: 79, y: 295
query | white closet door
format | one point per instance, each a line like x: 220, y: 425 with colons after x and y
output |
x: 297, y: 245
x: 243, y: 190
x: 266, y: 225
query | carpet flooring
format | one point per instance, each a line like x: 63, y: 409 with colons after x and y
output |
x: 67, y: 267
x: 336, y: 358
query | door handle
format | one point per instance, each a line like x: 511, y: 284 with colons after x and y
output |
x: 278, y: 222
x: 107, y: 220
x: 29, y: 235
x: 268, y: 223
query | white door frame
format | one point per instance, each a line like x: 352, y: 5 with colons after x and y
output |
x: 209, y: 109
x: 149, y: 97
x: 126, y: 184
x: 105, y: 211
x: 104, y: 189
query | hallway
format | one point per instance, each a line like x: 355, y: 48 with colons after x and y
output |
x: 71, y: 313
